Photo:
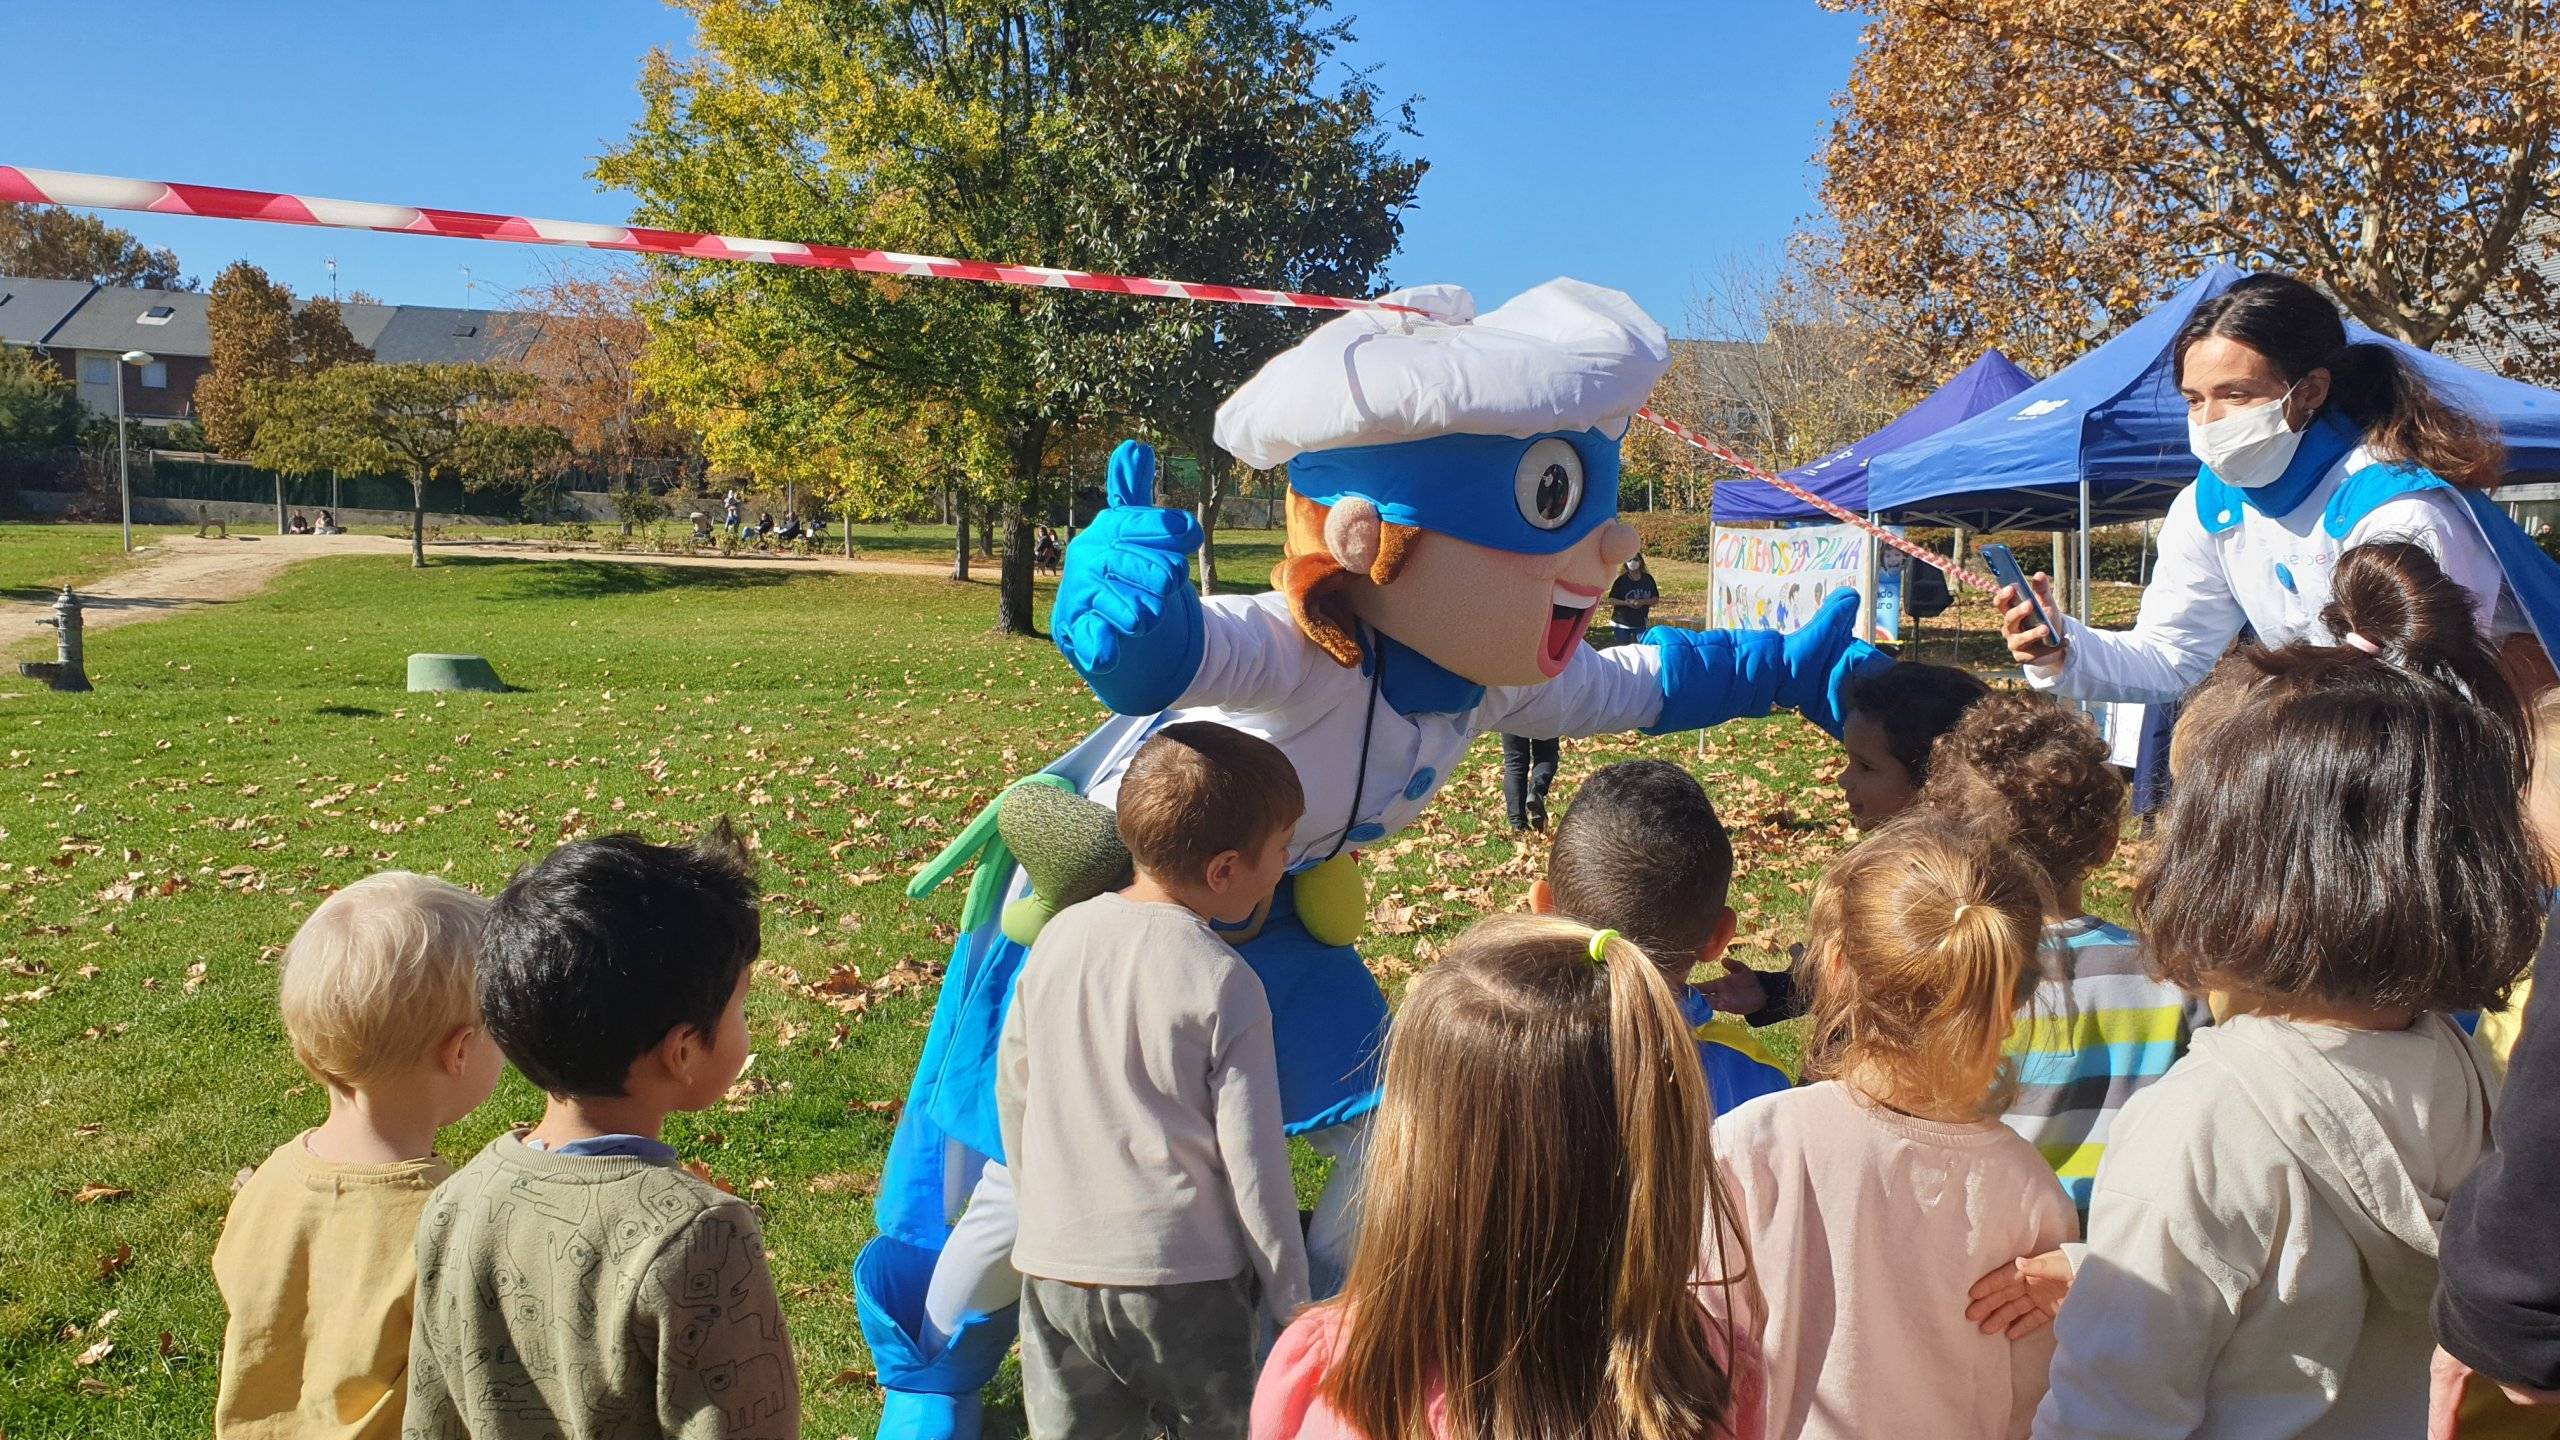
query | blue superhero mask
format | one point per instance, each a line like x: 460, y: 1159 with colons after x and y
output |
x: 1538, y: 496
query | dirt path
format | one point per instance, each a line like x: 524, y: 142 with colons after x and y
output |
x: 183, y: 574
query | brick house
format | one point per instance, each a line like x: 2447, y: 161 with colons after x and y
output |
x: 86, y: 329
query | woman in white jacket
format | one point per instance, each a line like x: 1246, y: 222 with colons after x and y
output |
x: 2310, y: 446
x: 2344, y: 857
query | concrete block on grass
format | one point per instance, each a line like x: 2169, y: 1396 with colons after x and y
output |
x: 453, y: 672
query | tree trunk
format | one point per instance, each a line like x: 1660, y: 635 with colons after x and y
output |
x: 960, y: 545
x: 280, y: 525
x: 987, y: 527
x: 1013, y: 589
x: 417, y: 524
x: 1213, y: 474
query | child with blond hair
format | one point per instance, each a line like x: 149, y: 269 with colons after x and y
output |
x: 315, y: 1261
x: 1541, y: 1176
x: 1875, y: 1198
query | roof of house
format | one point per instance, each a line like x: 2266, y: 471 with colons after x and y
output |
x: 437, y: 335
x: 365, y: 322
x: 30, y: 309
x: 76, y: 315
x: 163, y: 322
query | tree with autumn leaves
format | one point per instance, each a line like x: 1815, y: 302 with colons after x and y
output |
x: 981, y: 128
x: 2032, y: 174
x: 259, y: 334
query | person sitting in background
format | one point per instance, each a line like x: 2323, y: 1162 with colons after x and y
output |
x: 1641, y: 851
x: 1631, y: 597
x: 574, y: 1278
x: 790, y: 526
x: 327, y: 523
x: 376, y: 994
x: 300, y: 524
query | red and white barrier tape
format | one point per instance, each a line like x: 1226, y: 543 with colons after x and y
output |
x: 1833, y: 509
x: 109, y: 192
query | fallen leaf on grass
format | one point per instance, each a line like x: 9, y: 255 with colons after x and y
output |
x: 702, y: 1172
x: 109, y: 1265
x: 853, y: 1377
x: 93, y: 1192
x: 95, y: 1353
x: 843, y: 1183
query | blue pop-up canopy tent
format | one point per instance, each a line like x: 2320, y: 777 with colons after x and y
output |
x: 2104, y: 440
x: 1841, y: 477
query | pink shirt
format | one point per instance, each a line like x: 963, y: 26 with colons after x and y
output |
x: 1868, y: 1228
x: 1288, y: 1405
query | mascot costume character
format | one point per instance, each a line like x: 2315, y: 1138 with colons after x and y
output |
x: 1452, y: 526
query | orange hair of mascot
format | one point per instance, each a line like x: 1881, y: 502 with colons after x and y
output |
x: 1326, y: 548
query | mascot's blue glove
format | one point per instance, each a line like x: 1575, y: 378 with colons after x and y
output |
x: 1126, y: 616
x: 1823, y: 659
x: 1711, y: 676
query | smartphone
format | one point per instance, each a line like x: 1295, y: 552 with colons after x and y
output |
x: 2004, y: 568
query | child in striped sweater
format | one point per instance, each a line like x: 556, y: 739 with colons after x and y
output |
x: 2099, y: 1027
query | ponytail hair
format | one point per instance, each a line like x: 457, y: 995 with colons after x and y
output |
x: 2403, y: 418
x: 2394, y: 596
x: 1540, y: 1177
x: 1924, y: 942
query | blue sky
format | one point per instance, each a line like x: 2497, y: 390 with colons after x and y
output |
x: 1631, y: 144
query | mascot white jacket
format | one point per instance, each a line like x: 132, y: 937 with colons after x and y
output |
x: 1452, y: 526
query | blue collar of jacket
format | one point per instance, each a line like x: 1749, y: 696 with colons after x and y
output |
x: 2219, y: 502
x: 1463, y: 486
x: 1416, y: 684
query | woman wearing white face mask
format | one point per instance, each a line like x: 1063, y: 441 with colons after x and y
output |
x: 2310, y: 446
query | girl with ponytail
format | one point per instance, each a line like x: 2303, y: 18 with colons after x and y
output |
x: 1874, y: 1199
x: 1530, y: 1263
x: 2343, y: 864
x: 2310, y: 445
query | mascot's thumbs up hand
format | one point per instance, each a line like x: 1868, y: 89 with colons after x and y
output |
x: 1127, y: 616
x: 1823, y: 658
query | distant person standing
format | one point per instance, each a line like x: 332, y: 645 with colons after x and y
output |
x: 1631, y: 597
x: 732, y: 512
x: 1528, y: 772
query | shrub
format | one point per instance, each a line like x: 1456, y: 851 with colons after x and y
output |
x: 1673, y: 534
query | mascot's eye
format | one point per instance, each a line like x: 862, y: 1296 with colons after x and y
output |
x: 1549, y: 484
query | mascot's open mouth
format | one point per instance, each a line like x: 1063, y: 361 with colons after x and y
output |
x: 1570, y: 617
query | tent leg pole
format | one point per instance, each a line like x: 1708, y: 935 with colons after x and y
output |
x: 1867, y: 584
x: 2085, y: 577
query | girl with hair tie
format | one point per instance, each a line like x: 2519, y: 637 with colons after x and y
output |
x: 2310, y: 446
x: 1530, y: 1256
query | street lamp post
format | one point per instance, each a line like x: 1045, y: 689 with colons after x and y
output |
x: 124, y: 454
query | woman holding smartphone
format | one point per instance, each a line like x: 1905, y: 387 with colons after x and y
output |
x: 2310, y: 446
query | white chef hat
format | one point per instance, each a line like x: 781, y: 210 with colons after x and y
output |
x: 1564, y: 356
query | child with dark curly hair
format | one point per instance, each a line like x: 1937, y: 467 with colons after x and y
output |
x: 2100, y: 1027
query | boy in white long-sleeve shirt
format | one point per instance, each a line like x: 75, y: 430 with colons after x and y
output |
x: 1141, y: 1111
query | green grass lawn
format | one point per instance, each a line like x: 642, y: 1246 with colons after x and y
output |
x: 161, y: 838
x: 37, y: 559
